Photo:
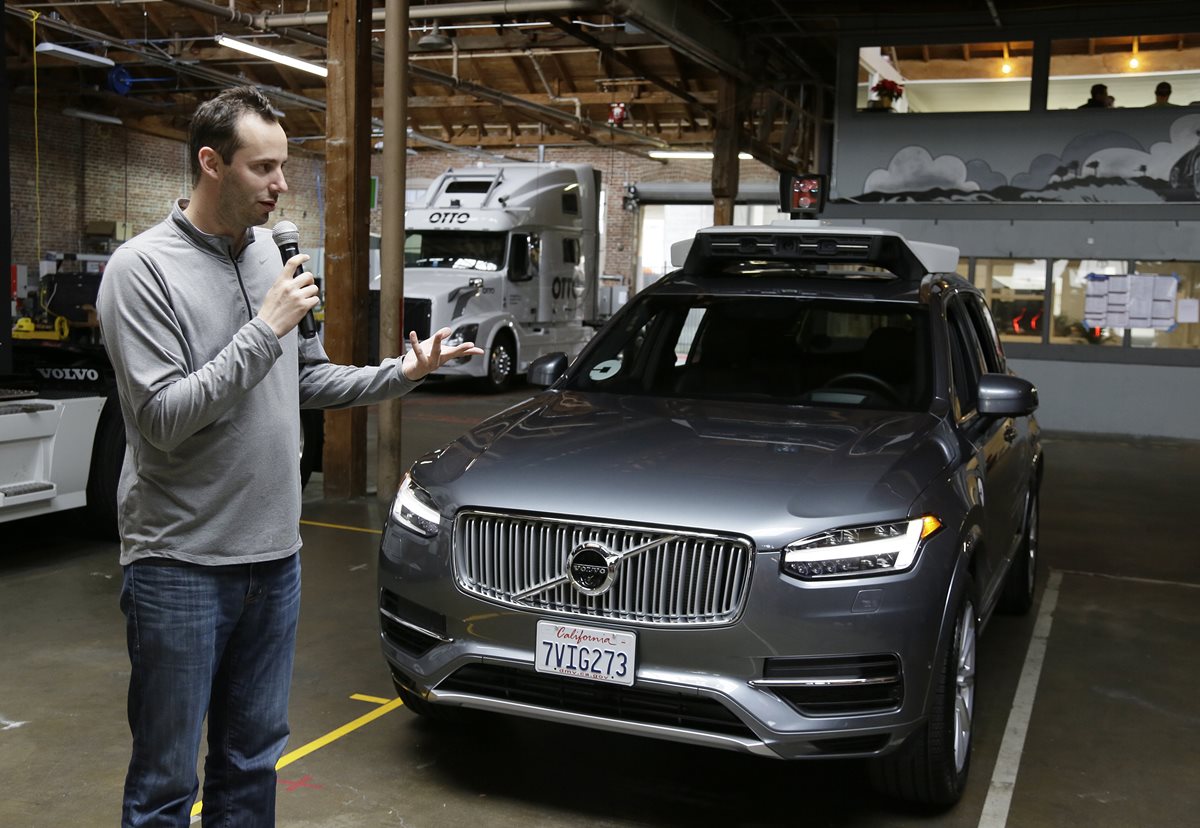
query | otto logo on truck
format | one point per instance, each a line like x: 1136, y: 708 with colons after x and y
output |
x: 449, y: 218
x: 70, y: 374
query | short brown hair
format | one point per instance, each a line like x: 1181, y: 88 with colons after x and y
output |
x: 215, y: 123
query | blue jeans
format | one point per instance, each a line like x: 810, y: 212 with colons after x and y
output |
x: 208, y: 639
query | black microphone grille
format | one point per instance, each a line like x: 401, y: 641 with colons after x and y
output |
x: 284, y: 232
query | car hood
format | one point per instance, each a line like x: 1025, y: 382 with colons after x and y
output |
x: 756, y: 470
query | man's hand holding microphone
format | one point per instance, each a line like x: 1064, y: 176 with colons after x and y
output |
x: 291, y: 299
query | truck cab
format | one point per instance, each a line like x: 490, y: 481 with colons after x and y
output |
x: 506, y: 256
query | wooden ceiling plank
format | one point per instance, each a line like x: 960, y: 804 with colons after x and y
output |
x: 155, y: 16
x: 523, y: 71
x: 116, y: 20
x: 563, y: 74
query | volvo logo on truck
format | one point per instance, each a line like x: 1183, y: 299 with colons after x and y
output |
x: 70, y: 374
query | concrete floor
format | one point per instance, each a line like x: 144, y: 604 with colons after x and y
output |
x: 1112, y: 737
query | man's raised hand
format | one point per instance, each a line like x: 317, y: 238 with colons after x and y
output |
x: 429, y: 355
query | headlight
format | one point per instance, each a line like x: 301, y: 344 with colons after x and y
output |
x: 461, y: 334
x: 465, y: 333
x: 413, y: 509
x: 867, y: 550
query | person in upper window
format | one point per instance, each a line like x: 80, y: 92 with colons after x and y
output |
x: 1162, y: 95
x: 1100, y: 98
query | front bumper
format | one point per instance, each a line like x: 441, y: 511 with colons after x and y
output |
x: 807, y: 670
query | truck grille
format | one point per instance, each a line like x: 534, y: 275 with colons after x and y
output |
x: 417, y: 317
x: 676, y: 578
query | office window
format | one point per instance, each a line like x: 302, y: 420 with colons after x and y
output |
x: 1088, y: 303
x: 1016, y: 292
x: 1183, y: 331
x: 1129, y: 67
x: 991, y: 76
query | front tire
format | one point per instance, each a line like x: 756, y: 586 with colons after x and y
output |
x: 104, y: 473
x: 931, y: 767
x: 1019, y: 584
x: 312, y: 443
x: 501, y: 363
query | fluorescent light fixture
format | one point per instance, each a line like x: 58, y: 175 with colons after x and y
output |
x: 698, y: 155
x: 93, y: 116
x: 268, y: 54
x: 67, y: 53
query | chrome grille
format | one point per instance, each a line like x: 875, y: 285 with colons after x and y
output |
x: 664, y: 577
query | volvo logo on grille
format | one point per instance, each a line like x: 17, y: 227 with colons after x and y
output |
x: 591, y: 568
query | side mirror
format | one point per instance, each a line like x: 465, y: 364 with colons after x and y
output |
x: 679, y: 252
x: 545, y: 370
x: 1003, y: 395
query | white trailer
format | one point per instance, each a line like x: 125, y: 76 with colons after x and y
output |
x: 61, y: 449
x: 506, y: 256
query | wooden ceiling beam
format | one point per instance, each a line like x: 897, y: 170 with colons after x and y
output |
x: 586, y: 98
x: 155, y: 16
x: 116, y: 21
x: 563, y: 74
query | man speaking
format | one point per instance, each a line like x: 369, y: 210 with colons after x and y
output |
x: 200, y: 324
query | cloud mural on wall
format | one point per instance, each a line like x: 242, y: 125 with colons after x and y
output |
x: 1129, y: 163
x: 1048, y: 168
x: 982, y: 174
x: 1098, y: 166
x: 914, y: 169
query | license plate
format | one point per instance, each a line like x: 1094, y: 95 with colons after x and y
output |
x: 585, y: 652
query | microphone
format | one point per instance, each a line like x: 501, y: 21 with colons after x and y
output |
x: 287, y: 239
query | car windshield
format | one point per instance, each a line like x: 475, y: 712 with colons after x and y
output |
x: 792, y: 351
x: 459, y: 250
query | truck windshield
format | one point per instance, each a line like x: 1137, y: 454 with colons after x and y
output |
x: 792, y: 351
x: 455, y: 249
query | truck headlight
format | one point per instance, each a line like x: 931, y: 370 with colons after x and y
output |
x: 882, y: 549
x: 461, y: 334
x: 413, y: 509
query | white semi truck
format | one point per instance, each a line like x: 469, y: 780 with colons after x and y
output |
x: 506, y: 256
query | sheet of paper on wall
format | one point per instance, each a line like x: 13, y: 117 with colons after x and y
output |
x: 1163, y: 310
x: 1095, y: 301
x: 1188, y: 311
x: 1141, y: 301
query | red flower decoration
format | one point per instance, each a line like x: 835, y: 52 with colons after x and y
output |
x: 888, y: 87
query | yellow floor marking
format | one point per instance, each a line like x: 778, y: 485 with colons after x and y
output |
x: 371, y: 699
x: 340, y: 526
x: 385, y: 706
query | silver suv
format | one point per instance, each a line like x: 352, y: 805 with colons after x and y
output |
x: 768, y: 509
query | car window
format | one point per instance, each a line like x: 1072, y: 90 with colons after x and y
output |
x: 966, y: 357
x: 985, y: 331
x: 768, y: 349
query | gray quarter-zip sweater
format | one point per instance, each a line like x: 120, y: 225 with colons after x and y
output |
x: 211, y: 397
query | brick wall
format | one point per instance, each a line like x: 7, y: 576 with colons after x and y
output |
x: 93, y: 171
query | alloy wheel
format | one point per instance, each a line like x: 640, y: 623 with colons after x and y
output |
x: 964, y: 685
